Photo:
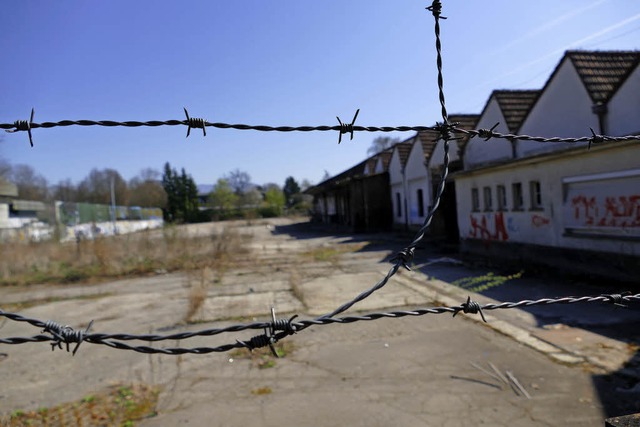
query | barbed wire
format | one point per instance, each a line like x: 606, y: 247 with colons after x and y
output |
x: 274, y: 330
x: 342, y: 128
x: 277, y: 329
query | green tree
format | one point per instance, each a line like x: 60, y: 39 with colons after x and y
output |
x: 182, y: 196
x: 222, y: 199
x: 274, y: 201
x: 290, y: 189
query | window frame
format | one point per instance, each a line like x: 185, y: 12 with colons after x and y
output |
x: 517, y: 196
x: 475, y: 200
x: 487, y: 198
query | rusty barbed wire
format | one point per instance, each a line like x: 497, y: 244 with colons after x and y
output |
x: 277, y: 329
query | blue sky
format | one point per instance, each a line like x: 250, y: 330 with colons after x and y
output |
x: 288, y: 62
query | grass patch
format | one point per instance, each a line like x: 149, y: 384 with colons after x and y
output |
x: 117, y: 406
x: 487, y: 281
x: 332, y: 253
x: 262, y: 358
x: 117, y: 256
x: 261, y: 391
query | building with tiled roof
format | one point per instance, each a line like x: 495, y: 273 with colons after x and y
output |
x: 602, y: 73
x: 515, y: 105
x: 506, y: 110
x: 553, y: 204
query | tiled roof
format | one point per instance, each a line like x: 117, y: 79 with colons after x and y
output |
x: 465, y: 121
x: 428, y: 141
x: 386, y: 158
x: 371, y: 164
x: 603, y: 72
x: 404, y: 148
x: 515, y: 105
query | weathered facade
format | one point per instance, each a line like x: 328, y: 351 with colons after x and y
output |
x: 356, y: 199
x: 560, y: 204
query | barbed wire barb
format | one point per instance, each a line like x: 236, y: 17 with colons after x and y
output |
x: 195, y: 123
x: 347, y: 127
x: 23, y: 125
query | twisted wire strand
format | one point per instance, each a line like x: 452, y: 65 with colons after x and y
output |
x: 489, y: 133
x: 200, y: 122
x: 114, y: 340
x: 18, y: 126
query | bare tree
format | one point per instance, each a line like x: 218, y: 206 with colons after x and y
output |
x: 96, y: 187
x: 238, y: 180
x: 65, y: 191
x: 31, y: 185
x: 381, y: 143
x: 146, y: 189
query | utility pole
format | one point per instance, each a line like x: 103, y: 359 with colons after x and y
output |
x: 113, y: 205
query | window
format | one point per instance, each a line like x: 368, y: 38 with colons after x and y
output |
x: 420, y: 203
x: 516, y: 193
x: 488, y: 205
x: 475, y: 200
x: 398, y: 205
x: 501, y: 197
x: 536, y: 195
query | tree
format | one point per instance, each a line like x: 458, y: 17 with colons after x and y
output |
x: 146, y: 190
x: 182, y: 196
x: 274, y: 200
x: 65, y: 191
x: 238, y: 180
x: 222, y: 199
x: 31, y: 185
x: 290, y: 188
x: 96, y: 187
x: 305, y: 184
x: 381, y: 143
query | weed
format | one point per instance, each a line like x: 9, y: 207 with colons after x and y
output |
x: 487, y: 281
x: 261, y: 391
x: 115, y: 406
x: 117, y: 256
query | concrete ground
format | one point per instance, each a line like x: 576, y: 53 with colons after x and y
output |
x: 409, y: 371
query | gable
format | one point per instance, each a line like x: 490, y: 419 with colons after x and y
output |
x: 602, y: 73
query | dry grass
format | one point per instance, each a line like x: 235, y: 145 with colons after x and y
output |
x: 119, y: 256
x: 117, y: 406
x: 197, y: 284
x: 332, y: 253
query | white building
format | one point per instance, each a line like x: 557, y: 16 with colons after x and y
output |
x: 535, y: 201
x: 398, y: 182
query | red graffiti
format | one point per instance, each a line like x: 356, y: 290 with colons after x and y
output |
x: 480, y: 228
x: 620, y: 211
x: 587, y: 208
x: 539, y: 220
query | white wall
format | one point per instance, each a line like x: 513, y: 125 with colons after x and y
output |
x: 623, y: 117
x: 551, y: 225
x: 397, y: 182
x: 436, y: 161
x: 563, y: 109
x: 478, y: 151
x: 417, y: 179
x: 4, y: 215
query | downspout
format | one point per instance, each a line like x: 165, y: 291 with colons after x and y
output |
x: 600, y: 109
x: 404, y: 191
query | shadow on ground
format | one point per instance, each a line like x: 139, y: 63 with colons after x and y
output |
x: 619, y: 391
